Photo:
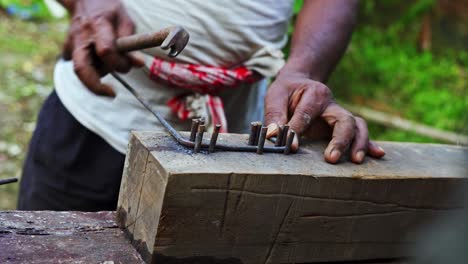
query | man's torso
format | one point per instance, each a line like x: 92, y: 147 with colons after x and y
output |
x: 224, y: 33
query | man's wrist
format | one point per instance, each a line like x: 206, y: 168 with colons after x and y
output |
x: 299, y: 67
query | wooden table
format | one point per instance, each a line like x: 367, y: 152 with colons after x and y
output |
x: 63, y: 237
x: 75, y: 237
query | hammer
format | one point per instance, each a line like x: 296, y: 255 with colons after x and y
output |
x: 174, y: 38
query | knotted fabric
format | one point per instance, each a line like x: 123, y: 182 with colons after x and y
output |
x: 203, y: 84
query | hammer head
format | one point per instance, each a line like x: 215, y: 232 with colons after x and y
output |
x: 176, y: 40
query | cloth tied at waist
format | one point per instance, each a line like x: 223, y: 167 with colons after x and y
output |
x: 202, y: 83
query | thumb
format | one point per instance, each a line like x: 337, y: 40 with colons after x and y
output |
x: 137, y: 59
x: 67, y: 48
x: 276, y: 109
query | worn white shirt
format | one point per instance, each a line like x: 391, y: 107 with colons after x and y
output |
x: 225, y: 33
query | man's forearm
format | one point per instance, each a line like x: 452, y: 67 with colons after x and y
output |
x: 322, y: 32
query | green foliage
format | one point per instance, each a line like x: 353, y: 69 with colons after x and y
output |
x: 28, y: 52
x: 297, y: 6
x: 26, y: 9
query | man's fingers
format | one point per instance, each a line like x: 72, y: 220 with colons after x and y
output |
x: 87, y: 73
x: 136, y: 58
x: 276, y: 109
x: 273, y: 130
x: 375, y: 151
x: 91, y: 44
x: 104, y: 41
x: 125, y: 26
x: 318, y: 130
x: 361, y: 141
x: 295, y: 144
x: 84, y: 68
x: 308, y: 105
x: 67, y: 48
x: 68, y: 45
x: 344, y: 126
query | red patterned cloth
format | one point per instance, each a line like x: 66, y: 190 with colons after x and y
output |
x: 203, y: 84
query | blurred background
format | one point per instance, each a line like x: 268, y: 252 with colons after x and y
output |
x: 404, y: 71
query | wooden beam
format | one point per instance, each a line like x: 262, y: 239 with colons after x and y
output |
x: 63, y: 237
x: 274, y: 208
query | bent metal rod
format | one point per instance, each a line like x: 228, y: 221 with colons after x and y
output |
x: 7, y: 181
x: 256, y: 139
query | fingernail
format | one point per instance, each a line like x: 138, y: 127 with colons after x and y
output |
x: 295, y: 144
x: 360, y: 156
x: 272, y: 130
x: 335, y: 155
x: 381, y: 149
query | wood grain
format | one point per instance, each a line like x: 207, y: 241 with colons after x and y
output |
x: 273, y: 208
x: 63, y: 237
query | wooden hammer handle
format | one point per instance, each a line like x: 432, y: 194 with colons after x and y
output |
x: 142, y: 41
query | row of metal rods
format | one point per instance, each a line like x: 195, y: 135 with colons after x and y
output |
x: 198, y: 128
x: 196, y: 135
x: 258, y: 133
x: 257, y: 136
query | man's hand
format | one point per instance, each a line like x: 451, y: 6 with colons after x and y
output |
x: 308, y: 107
x: 90, y: 43
x: 323, y: 29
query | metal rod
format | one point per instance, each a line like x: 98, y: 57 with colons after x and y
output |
x: 289, y: 142
x: 261, y: 140
x: 178, y: 137
x: 214, y: 138
x: 253, y: 133
x: 194, y: 129
x: 9, y: 180
x: 285, y: 135
x: 158, y: 116
x: 279, y: 136
x: 199, y: 138
x: 257, y: 134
